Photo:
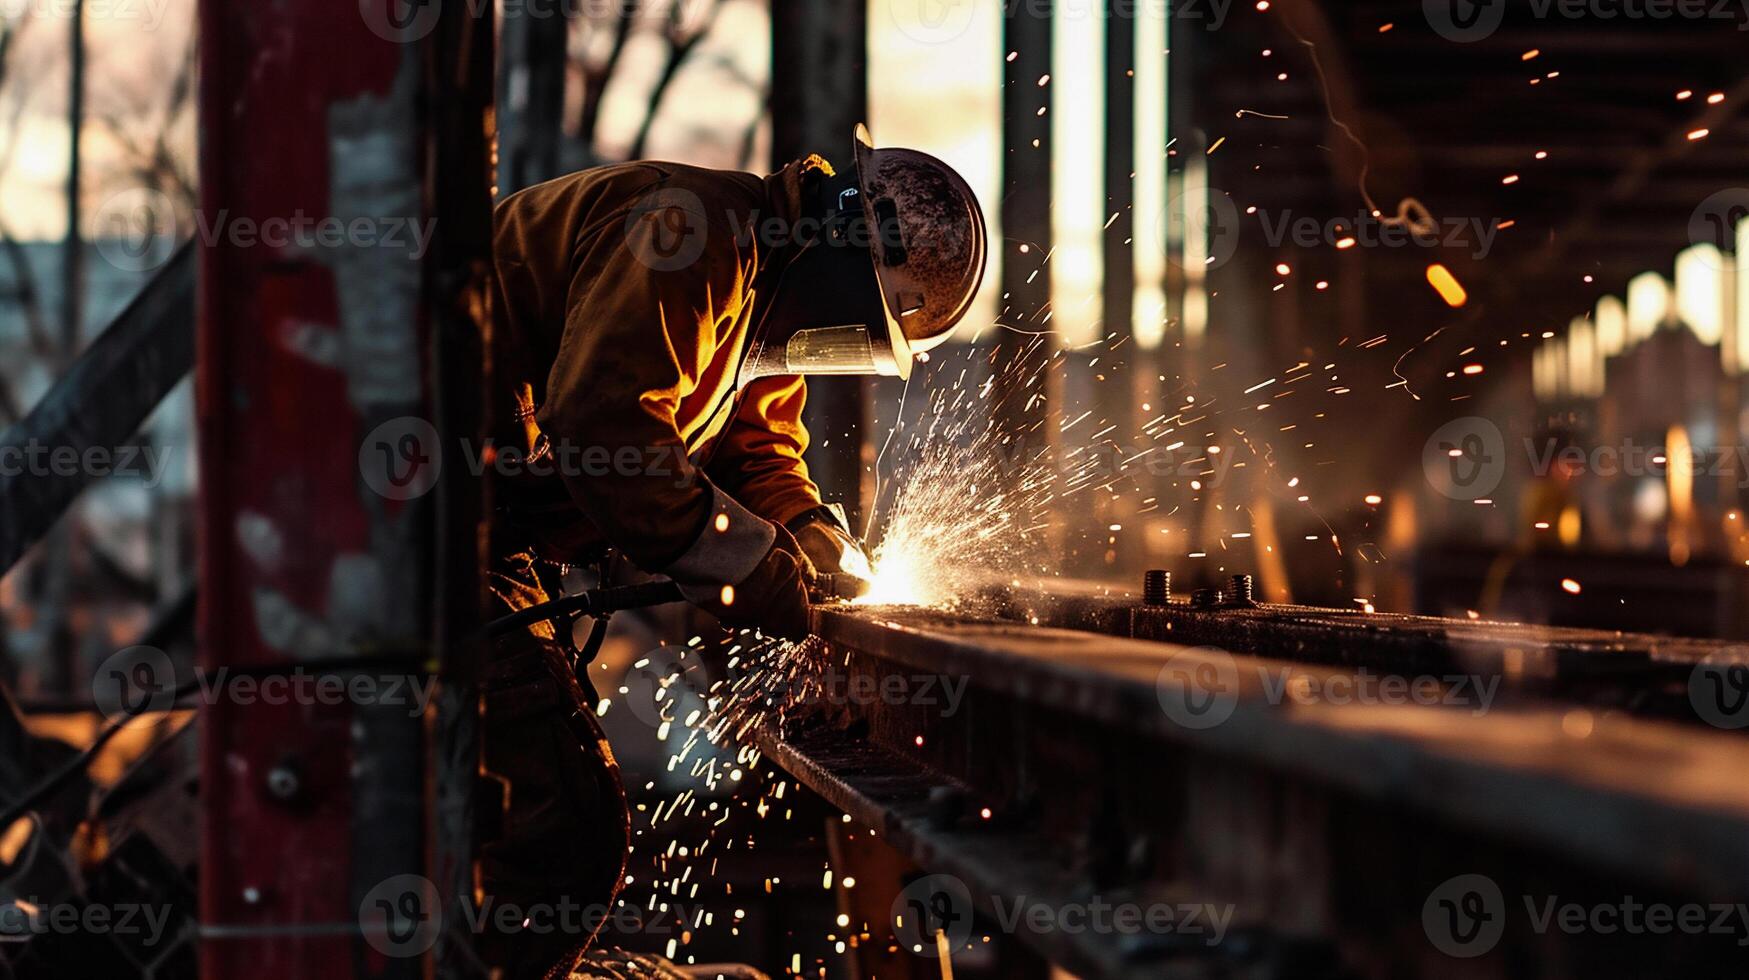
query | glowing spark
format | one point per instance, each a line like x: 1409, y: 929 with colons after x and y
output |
x: 1446, y: 285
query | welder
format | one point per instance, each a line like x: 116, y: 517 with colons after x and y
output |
x: 654, y: 321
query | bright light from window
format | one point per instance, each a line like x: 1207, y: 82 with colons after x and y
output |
x: 1150, y: 211
x: 1611, y: 318
x: 935, y: 84
x: 1582, y: 376
x: 1700, y: 291
x: 1648, y: 305
x: 1077, y: 92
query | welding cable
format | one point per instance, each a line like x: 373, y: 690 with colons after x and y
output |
x: 594, y: 602
x: 57, y: 781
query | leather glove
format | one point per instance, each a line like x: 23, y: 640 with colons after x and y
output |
x: 830, y: 548
x: 773, y: 597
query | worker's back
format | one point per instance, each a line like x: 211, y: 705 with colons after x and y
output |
x: 646, y: 234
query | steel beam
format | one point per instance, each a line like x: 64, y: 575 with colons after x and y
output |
x: 98, y: 404
x: 1287, y: 810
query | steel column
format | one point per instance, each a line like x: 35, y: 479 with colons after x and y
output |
x: 343, y: 297
x: 1026, y: 223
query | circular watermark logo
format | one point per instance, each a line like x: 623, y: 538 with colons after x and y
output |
x: 1718, y: 688
x: 1715, y: 221
x: 1465, y: 916
x: 1212, y: 220
x: 401, y: 916
x: 933, y: 904
x: 1465, y: 459
x: 1464, y: 21
x: 134, y: 681
x: 401, y: 458
x: 401, y: 21
x: 135, y: 230
x: 666, y: 229
x: 1198, y: 688
x: 933, y: 21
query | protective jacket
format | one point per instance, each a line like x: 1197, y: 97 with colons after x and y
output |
x: 626, y: 298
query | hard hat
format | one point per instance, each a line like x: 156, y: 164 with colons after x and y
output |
x: 929, y: 243
x: 898, y: 261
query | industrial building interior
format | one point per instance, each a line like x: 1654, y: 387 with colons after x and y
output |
x: 1318, y: 551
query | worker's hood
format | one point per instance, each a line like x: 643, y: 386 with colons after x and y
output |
x: 880, y: 264
x: 823, y: 312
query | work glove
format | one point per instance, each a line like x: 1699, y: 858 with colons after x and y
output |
x: 830, y: 547
x: 773, y: 597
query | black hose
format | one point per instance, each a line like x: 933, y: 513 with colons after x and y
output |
x: 595, y: 602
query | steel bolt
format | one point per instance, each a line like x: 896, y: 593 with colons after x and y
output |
x: 283, y: 782
x: 1205, y: 598
x: 1156, y: 587
x: 1240, y: 590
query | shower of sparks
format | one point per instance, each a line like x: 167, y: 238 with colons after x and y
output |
x: 968, y: 499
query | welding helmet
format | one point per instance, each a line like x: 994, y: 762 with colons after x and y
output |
x: 898, y: 257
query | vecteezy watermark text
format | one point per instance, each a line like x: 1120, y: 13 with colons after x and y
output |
x: 135, y: 229
x: 404, y: 914
x: 402, y: 458
x: 1200, y: 688
x: 25, y: 918
x: 1465, y: 916
x: 934, y: 22
x: 937, y: 908
x: 1468, y: 458
x: 1468, y: 21
x: 303, y: 231
x: 37, y: 459
x: 1365, y: 231
x: 146, y: 13
x: 140, y: 679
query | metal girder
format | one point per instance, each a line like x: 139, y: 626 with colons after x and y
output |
x: 333, y: 367
x: 97, y: 404
x: 1286, y: 810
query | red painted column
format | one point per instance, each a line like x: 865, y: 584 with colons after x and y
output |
x: 344, y: 293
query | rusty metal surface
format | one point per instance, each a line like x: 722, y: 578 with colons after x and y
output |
x: 902, y: 801
x: 1674, y: 799
x: 332, y: 368
x: 1639, y: 672
x: 1061, y: 775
